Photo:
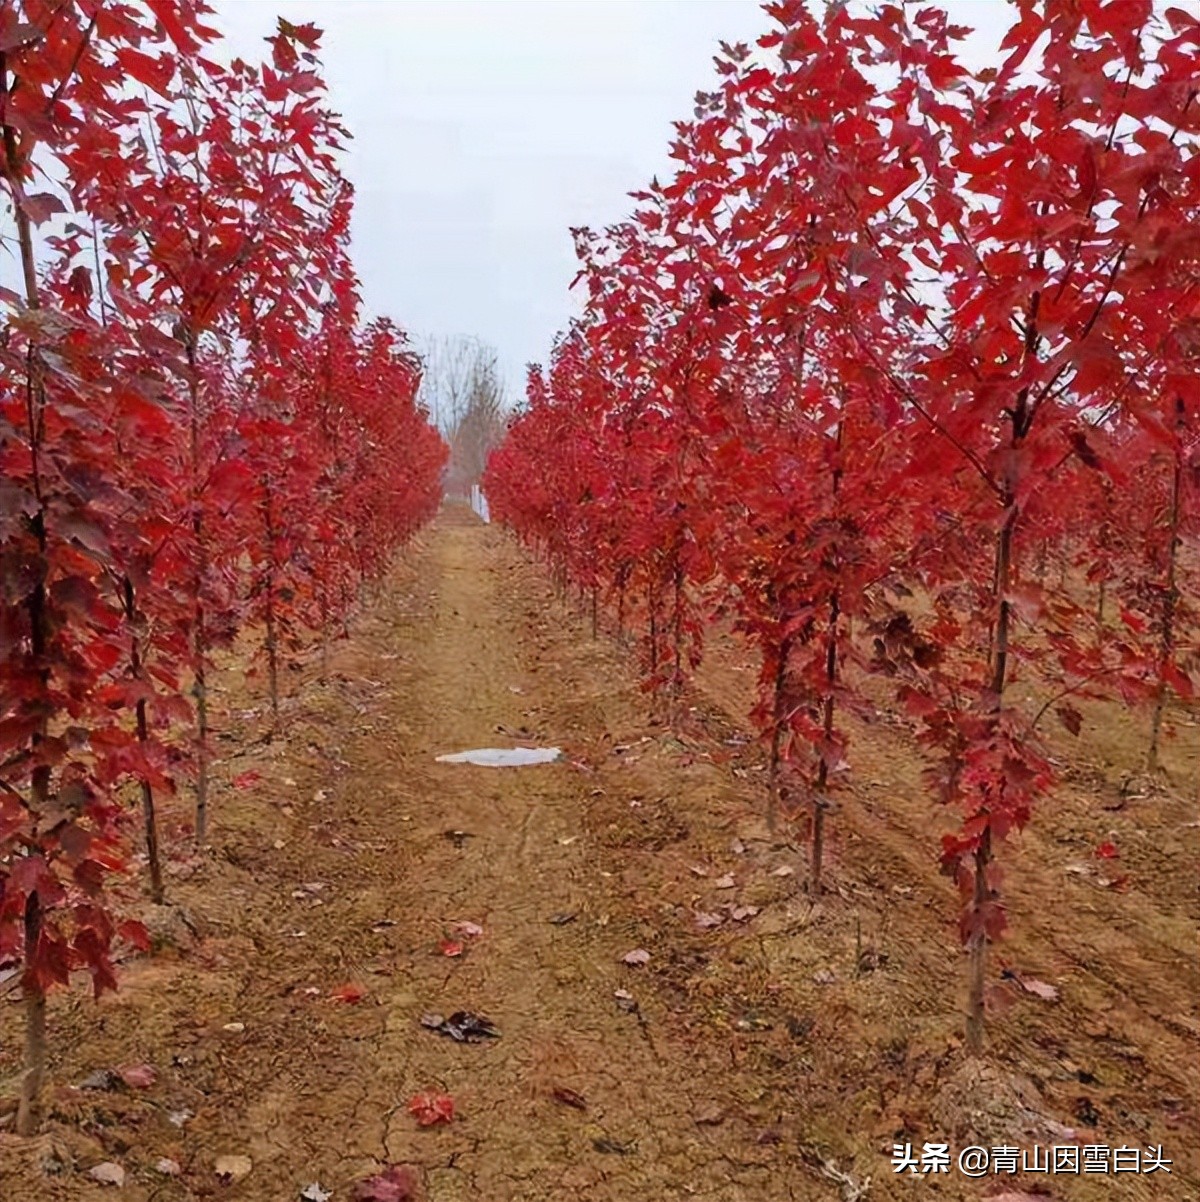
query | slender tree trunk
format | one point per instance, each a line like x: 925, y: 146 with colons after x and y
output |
x: 777, y: 711
x: 653, y: 631
x: 149, y: 818
x: 981, y: 894
x: 272, y: 639
x: 820, y: 802
x: 33, y: 995
x: 977, y: 950
x: 677, y: 628
x: 323, y: 593
x: 622, y: 582
x: 1166, y: 646
x: 199, y: 630
x: 34, y: 999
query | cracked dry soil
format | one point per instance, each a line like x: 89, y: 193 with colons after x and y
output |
x: 731, y: 1076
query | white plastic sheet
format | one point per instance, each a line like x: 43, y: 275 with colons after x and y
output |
x: 503, y: 757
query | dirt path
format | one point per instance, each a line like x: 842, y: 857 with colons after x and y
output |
x: 755, y: 1061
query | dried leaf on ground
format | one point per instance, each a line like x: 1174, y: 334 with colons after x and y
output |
x: 108, y: 1173
x: 614, y: 1146
x: 462, y: 1026
x: 1038, y: 988
x: 233, y: 1168
x: 569, y: 1097
x: 138, y: 1076
x: 431, y: 1108
x: 395, y: 1184
x: 102, y: 1078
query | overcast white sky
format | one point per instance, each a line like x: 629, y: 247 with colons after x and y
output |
x: 484, y: 129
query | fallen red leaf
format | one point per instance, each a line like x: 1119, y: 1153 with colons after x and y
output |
x: 569, y: 1097
x: 134, y: 932
x: 245, y: 779
x: 431, y: 1108
x: 1107, y: 851
x: 138, y: 1076
x: 395, y: 1184
x: 349, y: 993
x: 450, y: 947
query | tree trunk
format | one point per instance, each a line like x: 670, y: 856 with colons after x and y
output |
x: 777, y: 711
x: 819, y: 800
x: 34, y: 999
x: 149, y: 819
x: 1166, y: 646
x: 977, y: 951
x: 677, y: 629
x: 622, y: 582
x: 199, y: 631
x: 653, y: 639
x: 981, y: 894
x: 820, y: 804
x: 272, y: 639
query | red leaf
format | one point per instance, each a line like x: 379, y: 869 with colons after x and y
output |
x: 138, y: 1076
x: 349, y: 993
x: 431, y: 1108
x: 135, y: 933
x: 155, y: 73
x: 41, y: 206
x: 168, y: 14
x: 1107, y: 851
x: 18, y: 35
x: 1071, y: 718
x: 396, y: 1184
x: 246, y: 779
x: 569, y: 1097
x: 450, y: 947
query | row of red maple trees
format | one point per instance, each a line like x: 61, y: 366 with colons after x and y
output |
x: 901, y: 369
x: 199, y: 435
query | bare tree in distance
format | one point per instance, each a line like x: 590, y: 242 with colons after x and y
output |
x: 463, y: 390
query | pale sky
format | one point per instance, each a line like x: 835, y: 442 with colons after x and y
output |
x: 484, y: 129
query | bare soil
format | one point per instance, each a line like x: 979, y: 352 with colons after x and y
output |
x: 778, y: 1055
